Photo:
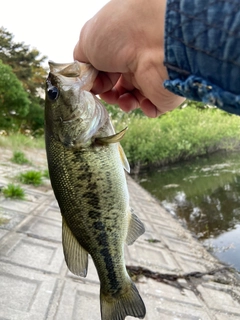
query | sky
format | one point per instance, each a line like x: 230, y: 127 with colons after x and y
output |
x: 50, y: 26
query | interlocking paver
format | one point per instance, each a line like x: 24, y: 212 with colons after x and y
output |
x: 36, y: 284
x: 82, y: 301
x: 24, y: 206
x: 24, y: 293
x: 21, y: 250
x: 219, y: 297
x: 43, y: 228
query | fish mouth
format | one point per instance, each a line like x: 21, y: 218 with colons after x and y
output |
x: 72, y: 69
x: 66, y: 69
x: 75, y: 72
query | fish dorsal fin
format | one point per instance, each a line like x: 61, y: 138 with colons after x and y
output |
x: 123, y: 158
x: 75, y: 256
x: 135, y: 228
x: 113, y: 138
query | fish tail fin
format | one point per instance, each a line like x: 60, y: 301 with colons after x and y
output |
x: 125, y: 304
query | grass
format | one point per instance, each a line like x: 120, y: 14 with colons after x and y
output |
x: 15, y: 140
x: 19, y: 158
x: 31, y: 177
x: 13, y: 191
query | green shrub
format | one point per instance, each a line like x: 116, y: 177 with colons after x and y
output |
x: 19, y: 158
x: 179, y: 135
x: 13, y: 191
x: 31, y: 177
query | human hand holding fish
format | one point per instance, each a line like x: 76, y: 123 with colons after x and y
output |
x: 125, y: 42
x: 86, y: 166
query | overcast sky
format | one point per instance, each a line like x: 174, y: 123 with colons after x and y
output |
x: 51, y: 26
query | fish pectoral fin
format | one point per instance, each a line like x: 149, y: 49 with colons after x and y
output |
x: 123, y: 158
x: 111, y: 139
x: 76, y: 256
x: 135, y: 229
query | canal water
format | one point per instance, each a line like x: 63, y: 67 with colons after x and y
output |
x: 204, y: 194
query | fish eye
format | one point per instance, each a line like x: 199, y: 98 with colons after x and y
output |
x: 53, y: 93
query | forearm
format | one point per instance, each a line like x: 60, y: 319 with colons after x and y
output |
x: 202, y: 51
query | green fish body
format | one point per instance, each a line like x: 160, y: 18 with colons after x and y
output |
x: 86, y: 165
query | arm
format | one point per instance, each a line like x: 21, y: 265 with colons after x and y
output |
x: 125, y: 41
x: 202, y: 51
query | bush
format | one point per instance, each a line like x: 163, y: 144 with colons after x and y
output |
x: 179, y: 135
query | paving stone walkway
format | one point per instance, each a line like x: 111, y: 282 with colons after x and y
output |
x: 36, y: 284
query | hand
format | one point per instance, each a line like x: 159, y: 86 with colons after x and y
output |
x: 125, y: 41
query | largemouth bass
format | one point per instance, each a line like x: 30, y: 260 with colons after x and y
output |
x: 86, y: 165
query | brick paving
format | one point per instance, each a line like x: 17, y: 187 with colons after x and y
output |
x: 36, y: 284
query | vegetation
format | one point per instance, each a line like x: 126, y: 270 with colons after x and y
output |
x: 21, y: 80
x: 15, y: 141
x: 31, y: 177
x: 19, y: 158
x: 178, y: 135
x: 14, y: 102
x: 13, y: 191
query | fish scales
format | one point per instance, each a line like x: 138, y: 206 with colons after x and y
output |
x: 86, y: 182
x: 86, y: 166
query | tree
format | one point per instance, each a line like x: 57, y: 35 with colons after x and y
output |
x: 35, y: 116
x: 25, y: 62
x: 14, y: 101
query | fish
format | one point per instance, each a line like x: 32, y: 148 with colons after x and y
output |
x: 87, y: 167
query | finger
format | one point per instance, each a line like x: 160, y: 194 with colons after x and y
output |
x: 120, y: 88
x: 104, y: 82
x: 130, y: 101
x: 149, y: 109
x: 127, y: 102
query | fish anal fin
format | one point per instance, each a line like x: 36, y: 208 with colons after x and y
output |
x: 111, y: 139
x: 123, y: 158
x: 127, y: 304
x: 76, y: 256
x: 135, y: 228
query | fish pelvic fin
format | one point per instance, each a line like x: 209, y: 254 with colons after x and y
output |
x: 111, y: 139
x: 135, y: 228
x: 76, y: 256
x: 128, y: 304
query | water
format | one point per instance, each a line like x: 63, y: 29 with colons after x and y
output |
x: 204, y: 194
